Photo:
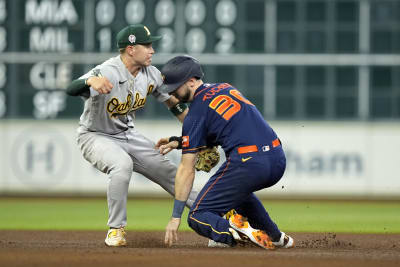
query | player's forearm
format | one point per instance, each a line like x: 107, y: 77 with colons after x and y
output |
x: 77, y: 87
x: 183, y: 185
x: 183, y: 182
x: 178, y: 109
x: 181, y: 117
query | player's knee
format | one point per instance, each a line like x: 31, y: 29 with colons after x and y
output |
x: 195, y: 225
x: 123, y: 168
x: 165, y: 168
x: 193, y: 221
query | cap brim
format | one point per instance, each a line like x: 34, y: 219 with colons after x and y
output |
x: 150, y: 40
x: 155, y: 38
x: 168, y: 88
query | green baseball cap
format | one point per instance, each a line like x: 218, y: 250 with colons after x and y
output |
x: 135, y: 34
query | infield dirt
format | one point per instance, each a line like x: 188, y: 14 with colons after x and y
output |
x: 86, y: 248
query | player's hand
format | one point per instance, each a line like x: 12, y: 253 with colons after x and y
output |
x: 171, y: 231
x: 100, y: 84
x: 164, y: 146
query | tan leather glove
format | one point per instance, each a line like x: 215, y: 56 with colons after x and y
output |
x: 207, y: 159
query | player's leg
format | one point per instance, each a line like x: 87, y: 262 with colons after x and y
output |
x: 156, y: 167
x: 259, y: 218
x: 205, y: 215
x: 211, y: 225
x: 253, y: 209
x: 226, y: 189
x: 107, y: 156
x: 230, y: 187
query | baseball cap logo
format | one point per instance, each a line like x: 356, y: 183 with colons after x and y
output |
x: 147, y: 30
x: 132, y: 38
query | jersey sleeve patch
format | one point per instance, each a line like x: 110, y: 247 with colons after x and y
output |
x: 97, y: 72
x: 185, y: 141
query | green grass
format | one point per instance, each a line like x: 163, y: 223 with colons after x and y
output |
x: 291, y: 216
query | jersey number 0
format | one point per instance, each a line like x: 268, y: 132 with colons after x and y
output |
x: 225, y: 104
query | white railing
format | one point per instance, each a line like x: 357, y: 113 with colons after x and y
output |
x: 218, y: 59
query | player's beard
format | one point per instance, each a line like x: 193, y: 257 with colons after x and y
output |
x: 186, y: 97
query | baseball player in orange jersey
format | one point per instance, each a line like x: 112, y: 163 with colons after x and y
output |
x: 107, y: 136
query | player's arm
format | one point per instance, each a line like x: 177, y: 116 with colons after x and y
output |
x: 82, y: 86
x: 177, y: 108
x: 184, y: 177
x: 167, y: 144
x: 183, y: 185
x: 78, y: 87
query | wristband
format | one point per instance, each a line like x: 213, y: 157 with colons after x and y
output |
x: 178, y: 208
x: 178, y: 108
x: 178, y: 139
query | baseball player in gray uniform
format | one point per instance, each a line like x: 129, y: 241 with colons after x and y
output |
x: 107, y: 136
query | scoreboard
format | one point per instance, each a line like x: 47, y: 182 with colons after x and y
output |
x: 77, y: 25
x: 298, y: 59
x: 32, y: 87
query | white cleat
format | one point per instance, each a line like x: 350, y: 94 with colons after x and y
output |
x: 239, y: 238
x: 116, y: 237
x: 235, y: 235
x: 215, y: 244
x: 284, y: 242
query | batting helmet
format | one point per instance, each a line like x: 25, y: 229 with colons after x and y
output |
x: 178, y: 70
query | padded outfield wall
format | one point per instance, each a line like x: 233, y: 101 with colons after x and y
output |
x: 324, y: 160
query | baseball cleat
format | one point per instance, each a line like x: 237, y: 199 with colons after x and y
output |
x: 229, y: 214
x: 258, y: 237
x: 215, y: 244
x: 238, y: 237
x: 284, y: 242
x: 116, y: 237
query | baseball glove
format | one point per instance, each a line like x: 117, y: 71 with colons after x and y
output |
x: 207, y: 159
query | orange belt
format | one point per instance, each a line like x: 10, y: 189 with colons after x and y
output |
x: 254, y: 148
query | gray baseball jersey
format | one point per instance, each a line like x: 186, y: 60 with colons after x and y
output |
x: 109, y: 141
x: 114, y: 113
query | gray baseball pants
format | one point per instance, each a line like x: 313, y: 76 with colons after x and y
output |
x: 120, y: 155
